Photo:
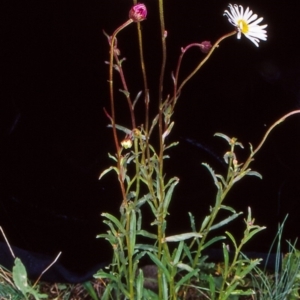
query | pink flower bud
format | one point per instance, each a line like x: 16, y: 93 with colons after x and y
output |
x: 138, y: 12
x: 206, y: 46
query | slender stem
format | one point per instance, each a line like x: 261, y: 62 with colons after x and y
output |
x: 126, y: 91
x: 272, y: 127
x: 161, y: 80
x: 160, y: 232
x: 246, y: 164
x: 177, y: 91
x: 112, y: 104
x: 146, y: 152
x: 176, y: 77
x: 119, y: 157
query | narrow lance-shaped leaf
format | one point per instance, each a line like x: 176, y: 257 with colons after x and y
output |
x: 160, y: 265
x: 178, y: 252
x: 225, y: 137
x: 224, y: 222
x: 226, y: 259
x: 228, y: 208
x: 185, y: 279
x: 204, y: 223
x: 115, y: 221
x: 218, y: 185
x: 212, y: 241
x: 169, y: 194
x: 126, y: 93
x: 247, y: 172
x: 192, y: 221
x: 147, y: 234
x: 167, y: 132
x: 253, y: 232
x: 182, y: 237
x: 232, y: 240
x: 136, y: 99
x: 132, y: 229
x: 108, y: 170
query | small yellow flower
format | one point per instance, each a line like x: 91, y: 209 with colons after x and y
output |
x: 246, y: 23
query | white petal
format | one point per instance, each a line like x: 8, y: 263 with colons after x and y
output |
x: 255, y: 32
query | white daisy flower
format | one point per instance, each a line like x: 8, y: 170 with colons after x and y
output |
x: 247, y: 23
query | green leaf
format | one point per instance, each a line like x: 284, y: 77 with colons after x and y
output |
x: 212, y: 241
x: 254, y: 173
x: 122, y: 128
x: 160, y: 265
x: 126, y: 93
x: 247, y: 172
x: 228, y: 208
x: 177, y: 253
x: 252, y: 233
x: 250, y: 267
x: 225, y: 137
x: 147, y: 234
x: 222, y: 179
x: 90, y: 289
x: 182, y: 237
x: 112, y: 157
x: 185, y: 278
x: 20, y: 276
x: 168, y: 196
x: 232, y: 239
x: 165, y: 287
x: 171, y: 145
x: 226, y: 260
x: 139, y: 285
x: 146, y: 247
x: 212, y: 172
x: 187, y: 252
x: 132, y: 230
x: 243, y: 292
x: 224, y: 222
x: 143, y: 200
x: 20, y: 280
x: 154, y: 122
x: 136, y: 99
x: 212, y: 286
x: 108, y: 170
x: 192, y: 221
x: 104, y: 275
x: 167, y: 132
x: 115, y: 221
x: 184, y: 267
x: 204, y: 223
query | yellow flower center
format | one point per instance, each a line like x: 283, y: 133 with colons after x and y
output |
x: 243, y: 26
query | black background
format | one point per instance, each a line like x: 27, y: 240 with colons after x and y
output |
x: 54, y: 139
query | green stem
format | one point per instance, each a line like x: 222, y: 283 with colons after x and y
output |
x: 160, y: 232
x: 177, y: 91
x: 112, y: 104
x: 113, y: 123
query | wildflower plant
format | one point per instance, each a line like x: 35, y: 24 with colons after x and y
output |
x: 139, y: 164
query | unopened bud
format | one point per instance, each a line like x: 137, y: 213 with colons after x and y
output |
x: 126, y: 143
x: 138, y: 12
x: 205, y: 46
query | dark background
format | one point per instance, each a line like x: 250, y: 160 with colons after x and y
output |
x: 54, y: 139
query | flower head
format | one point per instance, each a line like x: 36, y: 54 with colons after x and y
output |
x: 138, y: 12
x: 126, y: 143
x: 247, y: 23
